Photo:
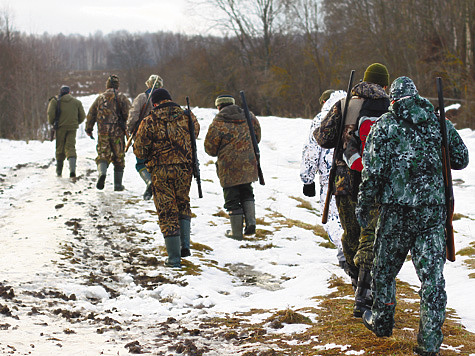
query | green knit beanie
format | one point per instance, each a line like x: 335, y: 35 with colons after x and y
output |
x: 325, y: 96
x: 377, y: 73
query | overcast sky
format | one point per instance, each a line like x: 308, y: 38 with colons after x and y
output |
x: 89, y: 16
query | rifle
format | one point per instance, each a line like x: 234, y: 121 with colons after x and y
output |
x: 253, y: 138
x: 141, y: 115
x: 56, y: 117
x: 336, y: 151
x: 119, y: 115
x: 195, y: 162
x: 449, y: 193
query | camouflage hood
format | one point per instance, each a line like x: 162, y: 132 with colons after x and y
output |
x: 407, y: 104
x: 231, y: 113
x: 369, y: 91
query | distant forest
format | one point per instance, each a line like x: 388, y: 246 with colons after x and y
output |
x: 283, y: 53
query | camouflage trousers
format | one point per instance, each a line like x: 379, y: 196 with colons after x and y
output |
x: 421, y: 231
x: 111, y: 149
x: 65, y: 144
x: 357, y: 242
x: 171, y: 195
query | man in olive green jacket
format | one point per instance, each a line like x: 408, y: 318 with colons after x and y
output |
x: 65, y: 120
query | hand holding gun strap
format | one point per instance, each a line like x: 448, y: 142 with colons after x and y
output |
x: 336, y: 151
x: 195, y: 162
x: 141, y: 116
x: 253, y: 138
x: 449, y: 193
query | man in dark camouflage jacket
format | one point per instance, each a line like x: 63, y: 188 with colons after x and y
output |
x: 229, y: 139
x: 403, y: 171
x: 163, y: 140
x: 109, y: 110
x: 369, y: 101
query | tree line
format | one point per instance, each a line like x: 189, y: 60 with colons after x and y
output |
x: 283, y: 53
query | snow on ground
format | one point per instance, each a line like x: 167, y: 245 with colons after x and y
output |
x: 61, y: 237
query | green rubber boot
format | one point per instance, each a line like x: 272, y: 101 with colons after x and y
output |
x: 72, y: 167
x: 236, y: 227
x: 102, y: 170
x: 118, y: 175
x: 173, y: 245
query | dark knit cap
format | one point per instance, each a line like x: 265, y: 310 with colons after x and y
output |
x: 325, y: 96
x: 64, y: 90
x: 224, y: 100
x: 377, y: 73
x: 112, y: 82
x: 159, y: 95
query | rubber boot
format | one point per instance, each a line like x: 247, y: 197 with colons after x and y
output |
x: 369, y: 323
x: 72, y: 167
x: 118, y: 174
x: 250, y: 216
x: 363, y: 296
x: 102, y: 170
x: 185, y: 237
x: 236, y: 227
x: 147, y: 178
x: 173, y: 245
x: 59, y: 168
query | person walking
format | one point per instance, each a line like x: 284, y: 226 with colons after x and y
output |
x: 141, y: 107
x: 163, y: 141
x: 65, y: 120
x: 402, y: 164
x: 369, y: 101
x: 109, y: 110
x: 229, y: 139
x: 318, y: 160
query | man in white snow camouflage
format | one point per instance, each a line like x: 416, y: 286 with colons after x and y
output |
x: 403, y: 171
x: 316, y: 159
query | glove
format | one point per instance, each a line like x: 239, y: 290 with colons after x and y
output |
x: 309, y: 189
x: 362, y: 215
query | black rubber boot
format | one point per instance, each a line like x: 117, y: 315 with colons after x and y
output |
x: 363, y: 295
x: 59, y: 168
x: 185, y: 237
x: 250, y: 217
x: 369, y: 323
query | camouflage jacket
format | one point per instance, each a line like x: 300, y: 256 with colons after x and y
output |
x: 138, y: 107
x: 229, y: 139
x: 163, y: 137
x: 106, y: 112
x: 402, y: 157
x: 375, y: 103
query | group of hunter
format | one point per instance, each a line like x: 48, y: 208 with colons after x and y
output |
x: 378, y: 154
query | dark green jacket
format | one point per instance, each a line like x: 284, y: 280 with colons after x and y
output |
x: 72, y: 112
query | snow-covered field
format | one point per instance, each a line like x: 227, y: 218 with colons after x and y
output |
x: 77, y: 259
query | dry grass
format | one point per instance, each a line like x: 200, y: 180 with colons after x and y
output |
x: 334, y: 324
